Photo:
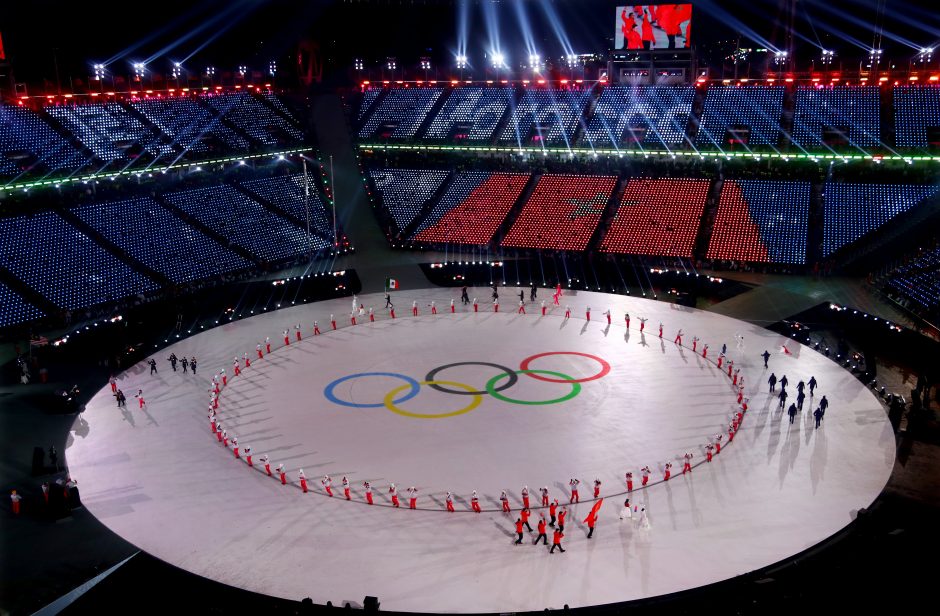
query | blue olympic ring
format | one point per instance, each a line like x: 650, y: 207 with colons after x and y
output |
x: 415, y: 389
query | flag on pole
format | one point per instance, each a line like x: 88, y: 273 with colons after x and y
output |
x: 391, y: 284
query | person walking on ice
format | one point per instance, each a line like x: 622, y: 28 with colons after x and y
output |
x: 667, y: 471
x: 687, y: 465
x: 541, y: 536
x: 286, y: 337
x: 519, y: 531
x: 346, y: 488
x: 556, y: 542
x: 267, y: 344
x: 316, y: 328
x: 282, y: 473
x: 475, y: 502
x: 587, y: 313
x: 524, y: 515
x: 642, y: 324
x: 812, y: 385
x: 574, y: 483
x: 433, y: 307
x: 607, y: 314
x: 678, y: 339
x: 525, y: 497
x: 626, y: 318
x: 333, y: 321
x: 267, y: 464
x: 412, y: 497
x: 772, y: 381
x: 303, y: 480
x: 258, y: 350
x: 544, y: 491
x: 629, y: 479
x: 453, y: 308
x: 521, y: 307
x: 824, y: 404
x: 552, y: 509
x: 327, y: 483
x: 567, y: 312
x: 660, y: 329
x: 368, y: 489
x: 394, y: 492
x: 298, y: 332
x: 597, y: 488
x: 766, y: 356
x: 153, y: 366
x: 645, y: 474
x: 371, y: 315
x: 449, y: 499
x: 626, y: 513
x: 543, y: 308
x: 817, y: 416
x: 140, y: 398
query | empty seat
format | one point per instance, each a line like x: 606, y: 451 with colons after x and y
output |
x: 403, y: 192
x: 652, y: 115
x: 400, y: 113
x: 854, y: 112
x: 470, y: 114
x: 14, y: 309
x: 756, y: 107
x: 545, y: 117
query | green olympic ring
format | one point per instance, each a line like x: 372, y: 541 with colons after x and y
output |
x: 491, y: 387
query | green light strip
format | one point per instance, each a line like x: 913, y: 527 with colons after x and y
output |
x: 640, y: 153
x: 117, y: 174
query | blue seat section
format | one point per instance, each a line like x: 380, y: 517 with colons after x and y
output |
x: 856, y: 108
x: 278, y: 104
x: 464, y: 183
x: 548, y: 117
x: 781, y: 211
x: 402, y: 111
x: 155, y: 237
x: 368, y: 97
x: 663, y: 110
x: 479, y: 108
x: 854, y: 210
x: 246, y: 222
x: 404, y: 191
x: 109, y: 130
x: 189, y: 124
x: 255, y: 119
x: 287, y: 192
x: 14, y: 309
x: 920, y: 280
x: 915, y: 109
x: 27, y: 141
x: 758, y: 107
x: 65, y: 265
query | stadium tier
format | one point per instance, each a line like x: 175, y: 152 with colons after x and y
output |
x: 916, y: 116
x: 14, y: 309
x: 761, y: 221
x: 919, y: 280
x: 651, y: 115
x: 545, y: 117
x: 246, y: 222
x: 27, y: 142
x: 288, y: 193
x: 110, y: 131
x: 470, y: 114
x: 562, y: 212
x: 151, y: 234
x: 65, y: 265
x: 750, y: 114
x: 403, y: 192
x: 854, y: 210
x: 368, y: 98
x: 657, y: 216
x: 190, y: 125
x: 255, y: 119
x: 836, y: 117
x: 472, y: 208
x: 400, y: 113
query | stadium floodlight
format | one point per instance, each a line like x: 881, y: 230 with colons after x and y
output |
x: 780, y: 57
x: 358, y: 64
x: 534, y: 60
x: 139, y: 69
x: 499, y: 60
x: 99, y: 71
x: 210, y: 71
x: 827, y: 56
x: 391, y: 63
x: 425, y: 63
x: 272, y: 67
x: 177, y: 70
x: 572, y: 60
x: 461, y: 61
x: 925, y: 55
x: 242, y: 70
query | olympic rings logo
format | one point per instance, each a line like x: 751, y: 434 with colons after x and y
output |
x: 503, y: 380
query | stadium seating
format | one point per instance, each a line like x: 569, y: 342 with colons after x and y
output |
x: 189, y: 124
x: 400, y: 113
x: 278, y: 104
x: 287, y: 193
x: 65, y: 265
x: 404, y: 192
x: 657, y: 217
x: 916, y: 108
x: 246, y: 222
x: 659, y: 115
x: 920, y: 280
x: 26, y: 141
x: 255, y: 119
x: 857, y: 109
x: 368, y: 97
x: 470, y: 114
x: 854, y: 210
x: 14, y: 309
x: 472, y: 208
x: 757, y: 107
x: 545, y: 117
x: 110, y: 131
x: 562, y: 212
x: 761, y: 221
x: 148, y: 232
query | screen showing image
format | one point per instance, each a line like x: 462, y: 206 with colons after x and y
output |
x: 653, y: 26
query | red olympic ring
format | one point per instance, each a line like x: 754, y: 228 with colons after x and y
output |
x: 605, y: 367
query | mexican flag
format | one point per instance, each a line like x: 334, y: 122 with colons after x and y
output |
x: 391, y: 284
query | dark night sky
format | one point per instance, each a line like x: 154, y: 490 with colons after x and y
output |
x: 226, y: 33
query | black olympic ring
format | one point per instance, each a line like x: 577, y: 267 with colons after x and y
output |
x: 513, y: 378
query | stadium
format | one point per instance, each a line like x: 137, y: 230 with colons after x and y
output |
x: 469, y: 306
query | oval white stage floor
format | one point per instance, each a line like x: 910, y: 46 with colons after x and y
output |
x: 488, y: 402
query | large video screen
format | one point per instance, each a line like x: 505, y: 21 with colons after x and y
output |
x: 653, y: 26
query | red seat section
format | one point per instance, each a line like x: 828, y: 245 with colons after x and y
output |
x: 475, y: 215
x: 562, y: 212
x: 657, y: 216
x: 735, y: 235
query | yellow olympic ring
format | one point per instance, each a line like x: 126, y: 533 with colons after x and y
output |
x: 390, y: 400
